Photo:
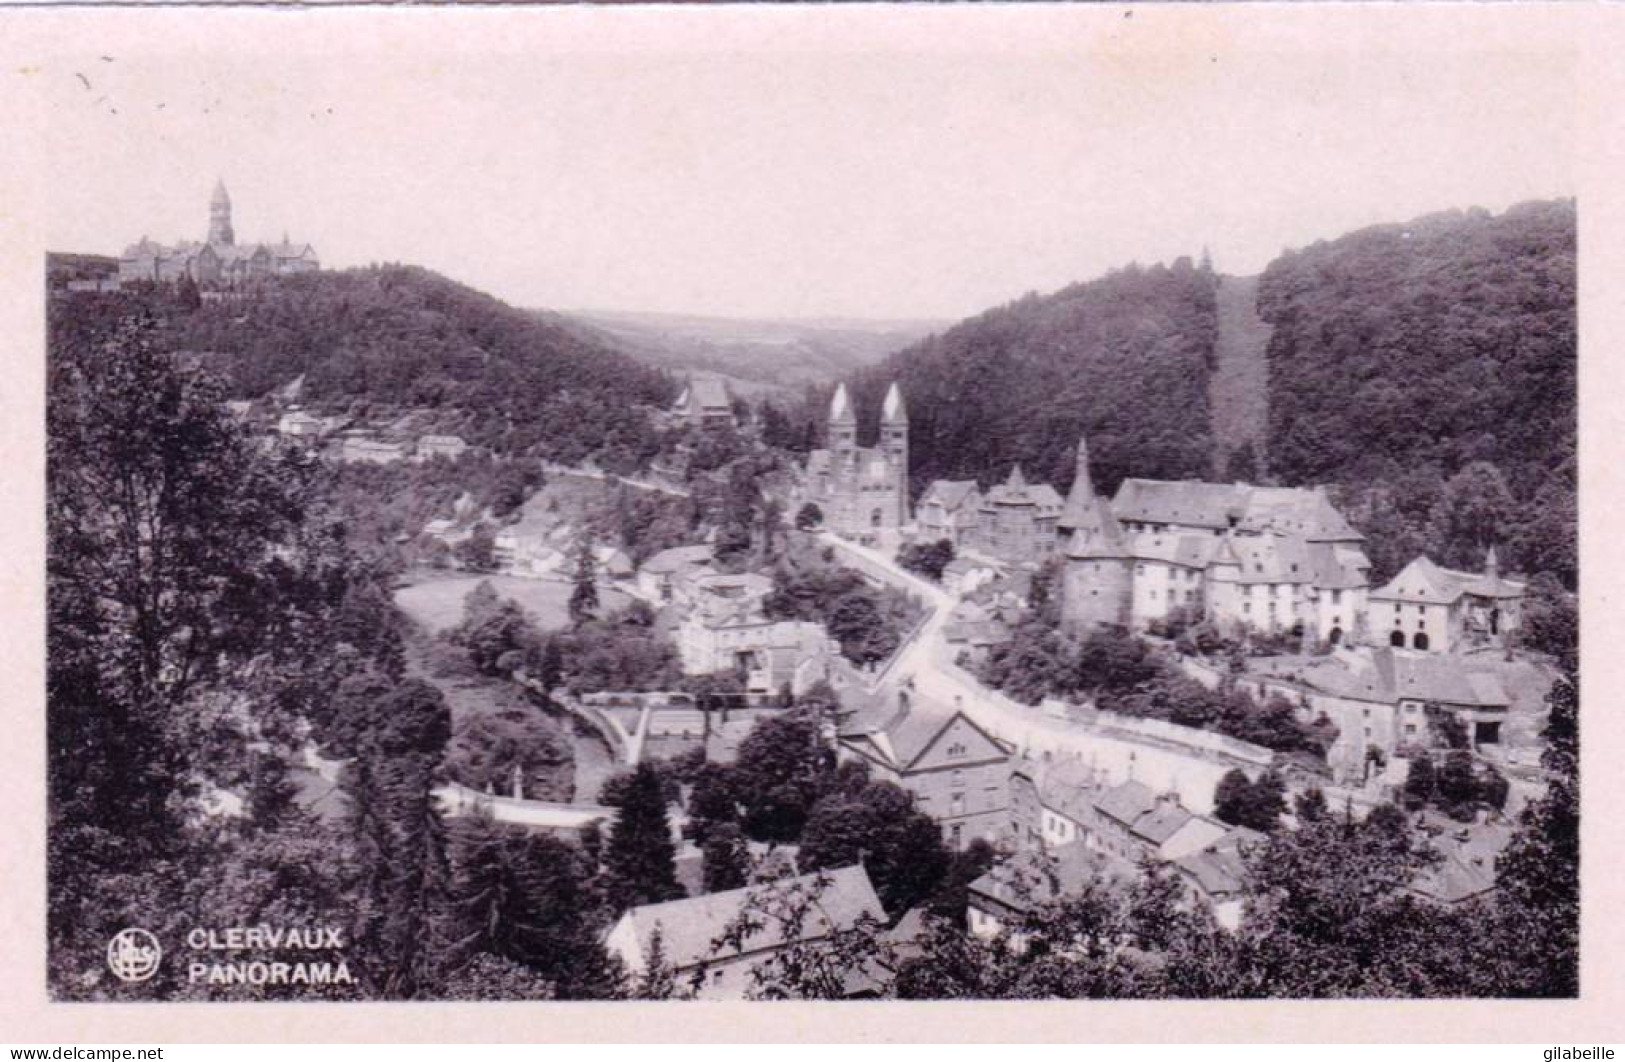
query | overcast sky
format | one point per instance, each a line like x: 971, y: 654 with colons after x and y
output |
x: 755, y: 177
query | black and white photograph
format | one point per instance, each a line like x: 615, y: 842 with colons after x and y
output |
x: 1081, y: 513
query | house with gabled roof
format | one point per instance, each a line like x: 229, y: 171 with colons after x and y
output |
x: 711, y: 943
x: 1017, y: 520
x: 704, y: 403
x: 1017, y: 886
x: 657, y: 577
x: 1216, y: 873
x: 1441, y: 610
x: 948, y: 511
x: 958, y: 772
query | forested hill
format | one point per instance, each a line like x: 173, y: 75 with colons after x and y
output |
x: 1125, y: 358
x: 1447, y: 340
x: 1429, y: 368
x: 399, y: 337
x: 756, y: 355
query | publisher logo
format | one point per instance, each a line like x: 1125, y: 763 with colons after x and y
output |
x: 133, y: 955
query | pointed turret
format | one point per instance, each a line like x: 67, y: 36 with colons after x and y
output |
x: 843, y: 425
x: 1492, y: 564
x: 1098, y: 534
x: 840, y: 407
x: 1082, y: 494
x: 893, y: 412
x: 1017, y: 481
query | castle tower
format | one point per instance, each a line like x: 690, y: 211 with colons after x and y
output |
x: 894, y: 443
x: 220, y: 216
x: 1098, y: 580
x: 843, y: 425
x: 1081, y: 497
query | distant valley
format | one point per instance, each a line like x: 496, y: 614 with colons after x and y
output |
x: 755, y: 356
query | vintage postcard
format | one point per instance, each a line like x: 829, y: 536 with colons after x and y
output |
x: 832, y: 508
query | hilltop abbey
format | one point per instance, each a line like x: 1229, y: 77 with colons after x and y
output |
x: 1272, y: 560
x: 219, y: 259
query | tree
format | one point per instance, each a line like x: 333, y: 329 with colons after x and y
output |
x: 477, y: 552
x: 639, y: 860
x: 725, y: 858
x: 584, y: 598
x: 1551, y: 621
x: 517, y: 743
x: 193, y: 587
x: 781, y: 770
x: 927, y: 559
x: 1538, y: 899
x: 1473, y: 514
x: 1310, y: 805
x: 809, y: 517
x: 878, y: 826
x: 527, y: 899
x: 713, y: 802
x: 1255, y: 805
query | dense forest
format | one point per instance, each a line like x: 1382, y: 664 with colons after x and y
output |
x: 1428, y: 368
x: 1124, y: 359
x: 398, y: 337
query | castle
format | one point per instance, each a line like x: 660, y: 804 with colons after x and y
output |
x: 219, y: 258
x: 862, y: 491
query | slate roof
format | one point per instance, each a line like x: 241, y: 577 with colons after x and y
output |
x: 689, y: 927
x: 1218, y: 870
x: 1188, y: 551
x: 952, y: 493
x: 1423, y: 582
x: 1016, y: 491
x: 1467, y: 866
x: 1385, y: 676
x: 1033, y: 877
x: 903, y: 736
x: 677, y: 558
x: 705, y: 394
x: 1293, y: 510
x: 1126, y: 802
x: 1161, y: 823
x: 1068, y: 788
x: 1098, y: 535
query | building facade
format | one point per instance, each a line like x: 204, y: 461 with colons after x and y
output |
x: 1261, y: 559
x: 219, y: 258
x: 1440, y: 610
x: 957, y: 772
x: 862, y: 491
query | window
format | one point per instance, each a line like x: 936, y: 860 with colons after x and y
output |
x: 956, y: 750
x: 1337, y: 597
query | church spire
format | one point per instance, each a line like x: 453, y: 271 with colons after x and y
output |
x: 840, y: 407
x: 894, y: 412
x: 1082, y: 495
x: 220, y: 231
x: 1492, y: 563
